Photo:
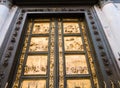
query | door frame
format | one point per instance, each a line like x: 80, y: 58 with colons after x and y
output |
x: 10, y: 50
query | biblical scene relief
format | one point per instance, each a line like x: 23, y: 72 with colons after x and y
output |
x: 36, y: 65
x: 39, y: 44
x: 33, y: 84
x: 82, y: 83
x: 76, y: 64
x: 41, y: 28
x: 73, y: 44
x: 71, y: 28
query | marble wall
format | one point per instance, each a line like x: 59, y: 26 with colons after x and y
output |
x: 6, y: 17
x: 109, y: 16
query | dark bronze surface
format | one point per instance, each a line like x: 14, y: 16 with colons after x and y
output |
x: 55, y: 2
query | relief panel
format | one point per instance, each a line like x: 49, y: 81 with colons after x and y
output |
x: 41, y: 28
x: 39, y: 44
x: 71, y: 27
x: 79, y: 83
x: 76, y: 64
x: 73, y: 44
x: 33, y: 84
x: 36, y: 65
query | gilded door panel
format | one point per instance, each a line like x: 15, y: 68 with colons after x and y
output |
x: 41, y: 28
x: 56, y: 54
x: 79, y: 83
x: 36, y: 65
x: 33, y: 84
x: 73, y: 44
x: 71, y: 27
x: 76, y: 64
x: 38, y: 44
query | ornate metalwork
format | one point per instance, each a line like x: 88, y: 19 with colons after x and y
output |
x: 90, y: 57
x: 14, y: 40
x: 33, y: 84
x: 76, y: 64
x: 36, y: 64
x: 38, y: 44
x: 79, y: 83
x: 18, y: 74
x: 60, y: 42
x: 73, y: 44
x: 52, y: 56
x: 41, y: 28
x: 71, y: 28
x: 112, y: 84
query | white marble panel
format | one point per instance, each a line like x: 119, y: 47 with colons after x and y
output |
x: 109, y: 17
x: 7, y: 16
x: 4, y: 10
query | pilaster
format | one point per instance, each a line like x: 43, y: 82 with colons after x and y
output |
x: 7, y: 12
x: 4, y: 11
x: 109, y: 16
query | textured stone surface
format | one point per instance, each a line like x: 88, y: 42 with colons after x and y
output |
x: 109, y: 17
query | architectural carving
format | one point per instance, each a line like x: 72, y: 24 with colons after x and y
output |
x: 61, y: 61
x: 71, y: 44
x: 33, y: 84
x: 38, y: 44
x: 52, y: 9
x: 36, y: 65
x: 41, y: 28
x: 76, y: 64
x: 83, y: 83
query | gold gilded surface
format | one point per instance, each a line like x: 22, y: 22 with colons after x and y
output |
x: 39, y: 44
x: 71, y: 64
x: 60, y: 42
x: 70, y: 19
x: 33, y: 84
x: 19, y: 71
x: 76, y: 64
x: 90, y: 56
x: 41, y: 28
x: 79, y: 83
x: 73, y: 44
x: 29, y: 28
x: 52, y: 58
x: 36, y: 65
x: 42, y: 20
x: 71, y: 27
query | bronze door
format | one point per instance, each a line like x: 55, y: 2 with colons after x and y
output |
x: 56, y: 54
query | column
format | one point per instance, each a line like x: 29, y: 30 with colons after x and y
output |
x: 7, y: 14
x: 4, y: 10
